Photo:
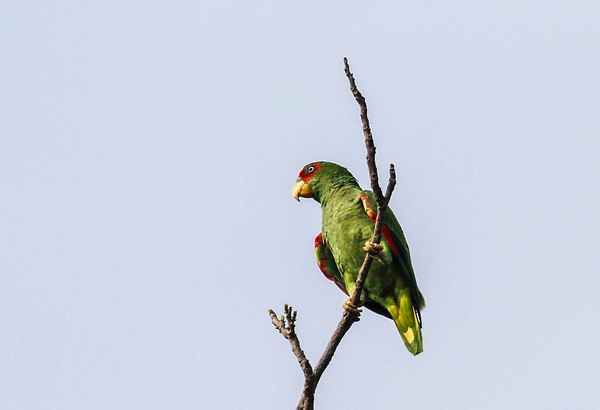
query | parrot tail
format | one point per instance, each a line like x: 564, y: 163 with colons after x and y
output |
x: 407, y: 319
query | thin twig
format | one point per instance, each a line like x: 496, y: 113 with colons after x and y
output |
x: 312, y: 377
x: 287, y: 327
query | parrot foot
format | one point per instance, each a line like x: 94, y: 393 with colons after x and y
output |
x: 351, y: 307
x: 375, y: 249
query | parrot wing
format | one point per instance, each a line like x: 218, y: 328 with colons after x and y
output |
x: 394, y: 236
x: 327, y: 264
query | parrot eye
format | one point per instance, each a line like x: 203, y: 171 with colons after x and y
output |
x: 310, y: 169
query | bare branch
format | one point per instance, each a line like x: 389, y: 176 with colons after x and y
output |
x: 362, y: 103
x: 349, y: 318
x: 311, y: 376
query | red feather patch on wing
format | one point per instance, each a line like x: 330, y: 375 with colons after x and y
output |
x: 384, y: 230
x: 321, y: 259
x: 322, y: 252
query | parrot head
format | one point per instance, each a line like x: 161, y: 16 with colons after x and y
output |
x: 319, y: 178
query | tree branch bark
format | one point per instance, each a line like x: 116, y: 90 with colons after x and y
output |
x: 286, y: 324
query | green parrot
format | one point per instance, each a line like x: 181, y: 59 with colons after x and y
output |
x: 348, y: 219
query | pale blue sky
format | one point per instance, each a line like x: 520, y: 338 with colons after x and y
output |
x: 147, y: 153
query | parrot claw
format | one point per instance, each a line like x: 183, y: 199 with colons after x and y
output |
x: 374, y: 249
x: 351, y: 307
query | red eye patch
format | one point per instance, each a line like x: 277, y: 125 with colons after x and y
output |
x: 309, y: 171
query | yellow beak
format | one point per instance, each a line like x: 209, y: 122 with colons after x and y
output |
x: 300, y: 189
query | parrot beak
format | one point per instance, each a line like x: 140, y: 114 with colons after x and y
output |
x: 300, y: 189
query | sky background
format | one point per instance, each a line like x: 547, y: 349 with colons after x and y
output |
x: 147, y: 155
